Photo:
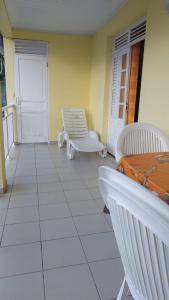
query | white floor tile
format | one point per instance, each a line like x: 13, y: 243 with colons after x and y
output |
x: 15, y: 260
x: 73, y: 184
x: 100, y: 202
x: 68, y: 175
x: 24, y: 179
x: 21, y: 233
x: 26, y: 172
x: 65, y: 188
x: 1, y: 230
x: 4, y: 201
x: 51, y: 198
x: 22, y: 287
x: 62, y: 253
x: 78, y: 195
x: 91, y: 183
x: 108, y: 275
x: 46, y: 171
x: 84, y: 208
x: 2, y: 216
x: 54, y: 211
x: 23, y: 200
x: 95, y: 192
x: 22, y: 215
x: 30, y: 188
x: 49, y: 187
x: 72, y: 283
x: 45, y: 164
x: 100, y: 246
x: 54, y: 229
x: 91, y: 224
x: 48, y: 178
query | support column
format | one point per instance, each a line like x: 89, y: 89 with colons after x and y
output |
x: 3, y: 181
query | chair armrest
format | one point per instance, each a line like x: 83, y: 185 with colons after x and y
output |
x: 93, y: 135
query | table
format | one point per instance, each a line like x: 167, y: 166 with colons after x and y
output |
x: 150, y: 170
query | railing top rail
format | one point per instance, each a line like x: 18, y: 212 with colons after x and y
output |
x: 7, y: 116
x: 5, y: 108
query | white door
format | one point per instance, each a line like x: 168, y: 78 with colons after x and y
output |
x: 118, y: 96
x: 32, y: 98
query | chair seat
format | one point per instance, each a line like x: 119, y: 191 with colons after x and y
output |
x: 87, y: 144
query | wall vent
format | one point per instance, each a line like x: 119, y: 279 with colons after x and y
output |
x: 31, y: 47
x: 121, y: 41
x: 138, y: 32
x: 133, y: 35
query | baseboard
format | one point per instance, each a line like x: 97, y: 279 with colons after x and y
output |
x: 3, y: 190
x: 53, y: 142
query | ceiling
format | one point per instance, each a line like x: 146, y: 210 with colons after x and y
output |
x: 62, y: 16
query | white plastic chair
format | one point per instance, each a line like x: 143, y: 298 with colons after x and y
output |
x: 141, y: 226
x: 138, y: 138
x: 75, y: 133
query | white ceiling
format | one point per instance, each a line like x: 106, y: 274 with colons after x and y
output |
x: 62, y: 16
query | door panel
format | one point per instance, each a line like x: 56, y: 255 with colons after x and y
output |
x: 35, y: 132
x: 132, y: 95
x: 31, y: 83
x: 119, y: 92
x: 31, y: 74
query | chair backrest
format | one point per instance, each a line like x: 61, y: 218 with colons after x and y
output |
x: 138, y: 138
x: 74, y: 122
x: 141, y: 225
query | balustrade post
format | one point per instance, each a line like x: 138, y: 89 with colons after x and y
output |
x: 3, y: 181
x: 15, y: 125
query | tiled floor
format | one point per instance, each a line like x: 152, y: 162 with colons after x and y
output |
x: 55, y: 241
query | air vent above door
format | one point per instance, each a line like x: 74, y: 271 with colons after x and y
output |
x: 31, y: 47
x: 132, y: 35
x: 138, y: 31
x: 121, y: 41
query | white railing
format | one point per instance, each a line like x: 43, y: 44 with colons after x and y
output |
x: 8, y: 128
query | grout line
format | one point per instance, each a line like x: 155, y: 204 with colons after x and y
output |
x: 50, y: 219
x: 61, y: 180
x: 4, y: 224
x: 85, y: 254
x: 21, y: 274
x: 43, y: 277
x: 55, y: 239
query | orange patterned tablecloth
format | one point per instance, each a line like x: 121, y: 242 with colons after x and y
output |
x: 150, y: 169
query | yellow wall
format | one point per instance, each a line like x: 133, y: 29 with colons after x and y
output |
x: 9, y: 69
x: 5, y: 27
x: 154, y: 103
x: 154, y: 107
x: 101, y: 62
x: 69, y: 73
x: 80, y: 68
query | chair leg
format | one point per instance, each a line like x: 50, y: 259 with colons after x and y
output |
x: 103, y: 153
x: 60, y: 140
x: 70, y: 151
x: 124, y: 290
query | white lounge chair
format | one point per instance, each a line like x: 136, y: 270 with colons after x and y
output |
x: 141, y: 226
x: 76, y: 134
x: 138, y: 138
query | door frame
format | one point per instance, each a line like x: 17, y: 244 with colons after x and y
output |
x: 128, y: 44
x: 110, y: 94
x: 16, y: 81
